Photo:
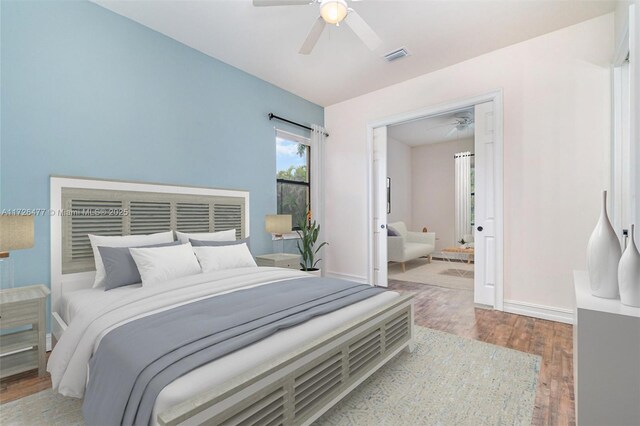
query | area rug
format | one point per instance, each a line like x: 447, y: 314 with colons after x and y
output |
x: 441, y: 273
x: 446, y: 380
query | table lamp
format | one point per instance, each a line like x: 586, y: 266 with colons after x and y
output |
x: 16, y: 233
x: 278, y: 225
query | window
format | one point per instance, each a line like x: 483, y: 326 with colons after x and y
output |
x: 293, y: 155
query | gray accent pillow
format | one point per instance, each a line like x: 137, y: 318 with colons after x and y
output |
x: 392, y: 232
x: 120, y: 268
x: 199, y: 243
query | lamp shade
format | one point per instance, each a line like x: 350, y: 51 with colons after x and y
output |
x: 16, y: 232
x: 277, y: 224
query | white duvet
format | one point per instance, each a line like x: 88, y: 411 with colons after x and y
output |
x: 68, y: 363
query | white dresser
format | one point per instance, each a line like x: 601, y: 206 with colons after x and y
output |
x: 606, y: 359
x: 279, y: 260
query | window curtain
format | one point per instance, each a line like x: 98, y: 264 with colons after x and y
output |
x: 318, y: 140
x: 462, y: 195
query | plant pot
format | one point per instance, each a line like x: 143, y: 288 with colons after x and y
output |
x: 317, y: 272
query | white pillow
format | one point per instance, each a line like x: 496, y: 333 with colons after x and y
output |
x: 229, y: 235
x: 224, y: 257
x: 160, y: 264
x: 122, y: 241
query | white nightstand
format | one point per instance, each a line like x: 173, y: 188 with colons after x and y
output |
x: 279, y: 260
x: 23, y: 350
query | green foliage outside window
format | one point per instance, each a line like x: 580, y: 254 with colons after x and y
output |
x: 297, y: 173
x: 292, y: 174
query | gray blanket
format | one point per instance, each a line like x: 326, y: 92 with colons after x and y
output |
x: 135, y: 361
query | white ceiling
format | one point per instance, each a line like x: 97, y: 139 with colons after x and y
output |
x: 430, y: 130
x: 265, y: 41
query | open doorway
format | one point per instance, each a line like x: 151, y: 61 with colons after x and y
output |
x: 431, y: 200
x: 471, y: 139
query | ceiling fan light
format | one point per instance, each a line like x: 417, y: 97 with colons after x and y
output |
x: 333, y: 11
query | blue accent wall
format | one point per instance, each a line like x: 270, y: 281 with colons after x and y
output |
x: 89, y: 93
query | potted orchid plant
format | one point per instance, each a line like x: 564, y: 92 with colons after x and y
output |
x: 308, y: 234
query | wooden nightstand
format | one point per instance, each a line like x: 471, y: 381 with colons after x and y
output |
x: 23, y: 350
x: 279, y: 260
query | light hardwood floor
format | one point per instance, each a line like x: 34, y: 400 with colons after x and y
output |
x: 453, y: 311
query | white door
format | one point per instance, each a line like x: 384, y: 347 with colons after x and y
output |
x: 380, y: 206
x: 485, y: 206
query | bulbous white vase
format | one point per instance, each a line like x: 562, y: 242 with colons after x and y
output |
x: 603, y: 256
x: 629, y: 273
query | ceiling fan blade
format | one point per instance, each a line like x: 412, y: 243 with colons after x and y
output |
x: 362, y: 30
x: 440, y: 125
x: 261, y: 3
x: 313, y: 36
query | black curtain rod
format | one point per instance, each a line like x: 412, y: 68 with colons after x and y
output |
x: 272, y: 116
x: 463, y: 155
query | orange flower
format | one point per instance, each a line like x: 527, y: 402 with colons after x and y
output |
x: 309, y: 216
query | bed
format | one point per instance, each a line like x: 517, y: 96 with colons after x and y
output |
x: 290, y: 377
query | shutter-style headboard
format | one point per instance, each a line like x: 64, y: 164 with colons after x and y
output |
x: 116, y: 212
x: 90, y: 206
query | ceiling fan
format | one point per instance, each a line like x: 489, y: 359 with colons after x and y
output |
x: 332, y: 12
x: 463, y: 121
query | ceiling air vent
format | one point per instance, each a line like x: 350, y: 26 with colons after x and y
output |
x: 396, y: 54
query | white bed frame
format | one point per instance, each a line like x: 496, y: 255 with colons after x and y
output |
x: 296, y: 388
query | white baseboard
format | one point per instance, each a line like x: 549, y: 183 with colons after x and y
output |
x: 349, y: 277
x: 539, y: 311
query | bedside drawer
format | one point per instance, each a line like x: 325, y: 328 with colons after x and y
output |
x: 16, y: 314
x: 277, y: 264
x: 288, y: 264
x: 18, y: 363
x: 279, y: 261
x: 18, y: 341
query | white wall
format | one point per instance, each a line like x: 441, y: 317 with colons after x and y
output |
x: 399, y: 170
x: 434, y: 188
x: 556, y: 155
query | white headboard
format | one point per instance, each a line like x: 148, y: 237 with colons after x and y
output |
x: 63, y: 281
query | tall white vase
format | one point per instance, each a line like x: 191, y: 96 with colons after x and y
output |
x: 603, y: 256
x: 629, y: 273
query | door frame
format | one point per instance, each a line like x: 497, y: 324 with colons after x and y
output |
x: 496, y: 96
x: 622, y: 146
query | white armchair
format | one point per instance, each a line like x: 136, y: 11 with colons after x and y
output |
x: 409, y: 245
